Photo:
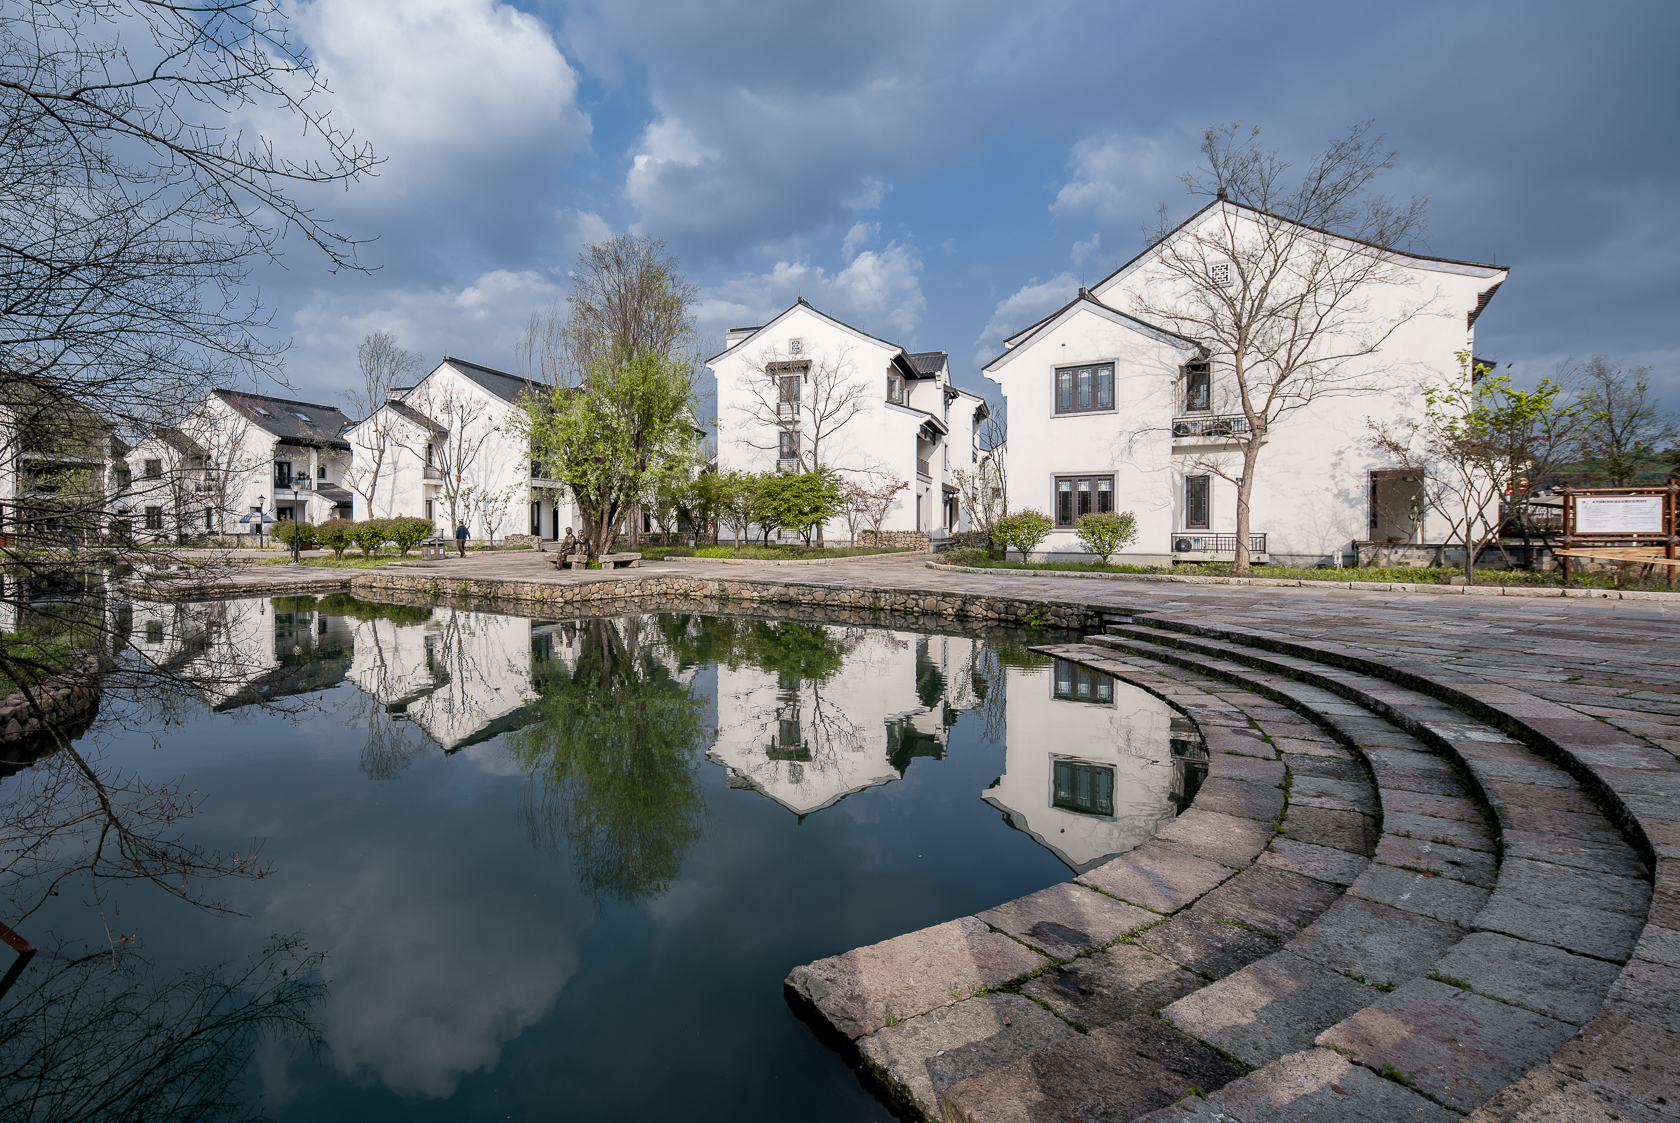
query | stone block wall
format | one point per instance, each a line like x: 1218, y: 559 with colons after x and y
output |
x: 61, y: 700
x: 895, y: 539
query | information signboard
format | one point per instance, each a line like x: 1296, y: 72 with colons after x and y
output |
x: 1619, y: 514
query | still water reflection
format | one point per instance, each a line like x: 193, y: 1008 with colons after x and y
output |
x: 559, y: 868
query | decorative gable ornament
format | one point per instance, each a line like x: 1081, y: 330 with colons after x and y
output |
x: 1220, y: 274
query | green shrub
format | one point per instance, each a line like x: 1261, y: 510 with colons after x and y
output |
x: 1023, y: 530
x: 288, y: 529
x: 966, y: 555
x: 405, y: 533
x: 335, y: 534
x: 1103, y: 534
x: 370, y: 534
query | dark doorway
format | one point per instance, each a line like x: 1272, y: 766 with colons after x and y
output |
x: 1396, y: 506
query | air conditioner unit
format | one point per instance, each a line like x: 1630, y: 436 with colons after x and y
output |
x: 1186, y: 545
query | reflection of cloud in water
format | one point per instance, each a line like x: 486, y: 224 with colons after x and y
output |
x: 431, y: 968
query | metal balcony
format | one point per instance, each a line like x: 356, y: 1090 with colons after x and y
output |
x: 787, y: 411
x: 1208, y: 428
x: 431, y: 474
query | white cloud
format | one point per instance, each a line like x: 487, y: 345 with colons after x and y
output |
x: 481, y: 321
x: 1029, y: 304
x: 1118, y: 179
x: 435, y: 81
x: 879, y: 291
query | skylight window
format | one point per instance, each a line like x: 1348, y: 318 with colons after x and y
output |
x: 301, y: 416
x: 262, y: 411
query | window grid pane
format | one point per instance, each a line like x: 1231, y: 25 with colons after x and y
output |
x: 1084, y: 389
x: 1095, y: 494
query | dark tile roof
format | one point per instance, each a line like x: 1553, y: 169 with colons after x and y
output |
x: 300, y: 423
x: 929, y: 362
x: 416, y: 416
x: 508, y: 387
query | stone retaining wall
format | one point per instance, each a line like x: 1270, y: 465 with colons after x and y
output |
x: 896, y: 539
x: 64, y: 699
x: 635, y: 593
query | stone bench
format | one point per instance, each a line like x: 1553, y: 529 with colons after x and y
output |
x: 608, y: 561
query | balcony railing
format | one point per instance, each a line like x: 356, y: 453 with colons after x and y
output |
x: 1209, y: 428
x: 1201, y: 542
x: 922, y: 469
x: 787, y: 411
x: 787, y: 464
x: 432, y: 474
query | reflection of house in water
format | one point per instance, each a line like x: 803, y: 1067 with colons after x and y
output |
x: 237, y: 652
x: 461, y: 676
x: 808, y: 742
x: 1093, y: 767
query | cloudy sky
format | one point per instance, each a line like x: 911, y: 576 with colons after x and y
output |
x: 943, y: 173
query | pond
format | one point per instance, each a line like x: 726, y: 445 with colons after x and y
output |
x: 560, y: 868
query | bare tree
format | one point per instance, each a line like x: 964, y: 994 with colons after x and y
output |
x: 1276, y: 283
x: 455, y: 453
x: 876, y: 502
x: 812, y: 397
x: 984, y: 489
x: 1623, y: 426
x: 384, y: 366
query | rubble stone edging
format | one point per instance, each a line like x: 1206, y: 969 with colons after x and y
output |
x: 61, y: 699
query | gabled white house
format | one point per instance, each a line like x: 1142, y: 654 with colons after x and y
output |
x: 236, y: 464
x: 807, y: 390
x: 447, y: 447
x: 1111, y: 412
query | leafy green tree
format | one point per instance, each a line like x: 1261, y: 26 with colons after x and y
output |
x: 370, y: 534
x: 1474, y: 439
x: 1104, y: 533
x: 614, y: 759
x: 334, y: 534
x: 611, y: 438
x: 801, y: 500
x: 407, y: 532
x: 1023, y: 530
x: 734, y: 498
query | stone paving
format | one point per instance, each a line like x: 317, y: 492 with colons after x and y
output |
x: 1435, y: 869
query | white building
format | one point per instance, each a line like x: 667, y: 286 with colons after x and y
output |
x: 447, y: 447
x: 56, y: 461
x: 806, y: 390
x: 1093, y: 767
x: 1110, y: 412
x: 235, y: 455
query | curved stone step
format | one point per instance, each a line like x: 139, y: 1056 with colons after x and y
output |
x: 1569, y: 905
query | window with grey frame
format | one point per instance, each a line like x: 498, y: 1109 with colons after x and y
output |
x: 1073, y: 683
x: 895, y: 389
x: 1196, y: 506
x: 1198, y: 388
x: 1085, y: 389
x: 1083, y: 787
x: 1078, y: 496
x: 788, y: 449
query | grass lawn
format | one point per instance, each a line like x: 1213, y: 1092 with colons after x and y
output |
x: 348, y: 561
x: 1418, y: 575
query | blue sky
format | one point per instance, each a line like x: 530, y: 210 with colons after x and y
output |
x: 941, y: 174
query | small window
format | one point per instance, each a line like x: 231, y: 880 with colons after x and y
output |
x: 154, y: 518
x: 787, y: 389
x: 789, y: 449
x: 154, y: 631
x: 895, y: 389
x: 1220, y: 274
x: 1198, y: 388
x: 154, y: 469
x: 125, y: 478
x: 261, y: 412
x: 320, y: 471
x: 209, y: 519
x: 1078, y: 496
x: 1076, y: 684
x: 301, y: 416
x: 1196, y: 490
x: 1085, y: 788
x: 1087, y: 389
x: 796, y: 346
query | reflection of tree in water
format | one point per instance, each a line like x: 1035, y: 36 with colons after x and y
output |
x: 89, y: 1040
x: 613, y: 757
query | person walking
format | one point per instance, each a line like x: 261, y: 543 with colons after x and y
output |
x: 461, y: 538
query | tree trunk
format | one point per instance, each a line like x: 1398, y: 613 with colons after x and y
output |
x: 1245, y: 492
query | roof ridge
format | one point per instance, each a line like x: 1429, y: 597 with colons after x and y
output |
x: 280, y: 401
